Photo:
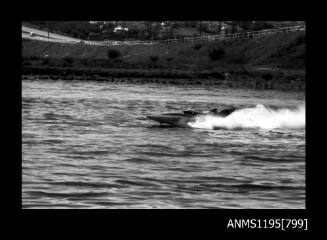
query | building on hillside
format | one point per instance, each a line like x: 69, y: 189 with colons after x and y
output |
x: 94, y: 34
x: 214, y: 26
x: 165, y: 32
x: 229, y: 28
x: 120, y: 29
x: 100, y: 22
x: 221, y: 27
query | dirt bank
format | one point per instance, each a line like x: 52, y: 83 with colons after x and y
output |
x: 253, y: 80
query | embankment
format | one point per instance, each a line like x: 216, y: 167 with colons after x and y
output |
x: 271, y: 62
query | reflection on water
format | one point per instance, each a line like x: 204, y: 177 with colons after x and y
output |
x: 87, y: 145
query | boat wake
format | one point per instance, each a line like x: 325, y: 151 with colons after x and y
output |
x: 255, y: 117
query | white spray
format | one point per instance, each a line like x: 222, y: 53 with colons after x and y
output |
x: 256, y: 117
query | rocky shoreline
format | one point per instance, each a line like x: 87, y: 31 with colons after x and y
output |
x: 243, y: 83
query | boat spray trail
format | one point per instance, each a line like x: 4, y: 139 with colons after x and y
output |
x: 255, y: 117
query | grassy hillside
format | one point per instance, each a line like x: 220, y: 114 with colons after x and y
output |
x: 285, y: 50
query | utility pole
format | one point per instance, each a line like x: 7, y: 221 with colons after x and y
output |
x: 48, y: 29
x: 200, y: 27
x: 171, y: 24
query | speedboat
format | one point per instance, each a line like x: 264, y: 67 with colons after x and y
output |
x: 183, y: 118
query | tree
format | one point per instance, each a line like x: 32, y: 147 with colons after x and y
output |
x: 199, y: 23
x: 148, y: 25
x: 152, y: 29
x: 234, y: 26
x: 171, y: 26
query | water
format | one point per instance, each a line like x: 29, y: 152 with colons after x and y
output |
x: 86, y: 145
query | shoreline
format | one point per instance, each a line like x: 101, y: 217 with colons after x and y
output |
x: 248, y: 80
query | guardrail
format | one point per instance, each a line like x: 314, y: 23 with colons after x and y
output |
x: 26, y: 36
x: 243, y: 35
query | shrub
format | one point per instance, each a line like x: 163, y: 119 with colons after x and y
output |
x: 154, y: 58
x: 33, y: 58
x: 267, y: 76
x: 238, y: 60
x: 68, y: 60
x: 300, y: 39
x: 216, y: 53
x: 113, y: 53
x: 218, y: 75
x: 209, y: 67
x: 197, y: 46
x: 45, y: 61
x: 118, y: 62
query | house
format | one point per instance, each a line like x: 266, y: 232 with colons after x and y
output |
x: 229, y: 28
x: 101, y: 22
x: 120, y: 29
x: 221, y: 27
x: 214, y: 27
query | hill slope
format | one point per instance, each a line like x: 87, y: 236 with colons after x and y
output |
x: 285, y: 50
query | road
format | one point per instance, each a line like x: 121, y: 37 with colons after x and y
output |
x: 51, y: 35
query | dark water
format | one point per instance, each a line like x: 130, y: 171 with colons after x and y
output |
x: 86, y: 145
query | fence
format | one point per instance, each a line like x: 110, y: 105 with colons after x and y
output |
x: 235, y: 35
x: 243, y: 35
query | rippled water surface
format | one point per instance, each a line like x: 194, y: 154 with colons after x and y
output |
x: 87, y: 145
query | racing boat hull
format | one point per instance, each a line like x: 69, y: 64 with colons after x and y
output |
x: 183, y: 119
x: 172, y: 119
